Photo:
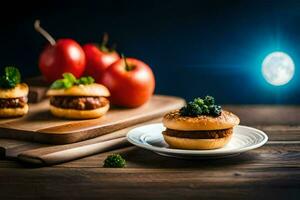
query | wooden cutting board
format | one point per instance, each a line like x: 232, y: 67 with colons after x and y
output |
x: 47, y: 154
x: 40, y: 126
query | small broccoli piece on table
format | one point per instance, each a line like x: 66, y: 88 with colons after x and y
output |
x: 114, y: 161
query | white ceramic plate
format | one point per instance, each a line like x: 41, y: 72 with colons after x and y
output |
x: 150, y: 137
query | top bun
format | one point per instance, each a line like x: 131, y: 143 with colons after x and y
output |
x: 173, y: 120
x: 81, y: 90
x: 21, y: 90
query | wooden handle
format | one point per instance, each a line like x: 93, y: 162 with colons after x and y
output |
x: 62, y: 153
x: 55, y: 155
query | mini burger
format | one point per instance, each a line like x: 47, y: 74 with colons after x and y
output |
x: 13, y: 94
x: 78, y: 98
x: 199, y: 125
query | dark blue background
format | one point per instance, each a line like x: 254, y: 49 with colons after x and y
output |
x: 194, y: 47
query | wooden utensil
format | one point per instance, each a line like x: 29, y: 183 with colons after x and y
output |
x: 56, y: 154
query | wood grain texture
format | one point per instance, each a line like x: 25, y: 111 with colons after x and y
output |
x: 45, y: 154
x: 269, y: 172
x: 267, y: 114
x: 40, y: 126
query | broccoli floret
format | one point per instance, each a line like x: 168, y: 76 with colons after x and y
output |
x: 215, y: 110
x: 199, y: 101
x: 200, y: 106
x: 205, y: 110
x: 191, y: 109
x: 114, y: 161
x: 209, y: 100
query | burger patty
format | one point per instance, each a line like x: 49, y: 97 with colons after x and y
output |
x: 212, y: 134
x: 78, y: 102
x: 19, y: 102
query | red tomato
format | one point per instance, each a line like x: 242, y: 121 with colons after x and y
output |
x: 97, y: 60
x: 131, y: 84
x: 64, y: 56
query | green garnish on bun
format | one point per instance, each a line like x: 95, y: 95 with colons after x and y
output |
x: 69, y: 80
x: 10, y: 77
x: 199, y: 106
x: 13, y: 93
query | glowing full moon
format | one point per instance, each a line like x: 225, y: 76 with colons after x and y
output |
x: 278, y: 68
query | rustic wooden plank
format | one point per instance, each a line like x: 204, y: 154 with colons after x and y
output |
x: 275, y: 155
x: 39, y: 125
x: 6, y: 144
x: 272, y: 170
x: 269, y: 172
x: 60, y: 153
x: 76, y: 183
x: 269, y: 156
x: 267, y: 114
x: 281, y: 132
x: 53, y: 154
x: 15, y: 147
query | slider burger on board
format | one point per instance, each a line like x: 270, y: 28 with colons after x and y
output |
x: 13, y: 94
x: 78, y: 98
x: 199, y: 125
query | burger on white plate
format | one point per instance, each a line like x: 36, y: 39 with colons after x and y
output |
x: 199, y: 125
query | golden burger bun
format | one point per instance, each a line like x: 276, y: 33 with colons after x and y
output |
x: 21, y: 90
x: 197, y: 144
x: 199, y: 132
x: 13, y: 112
x: 78, y: 114
x: 81, y: 90
x: 173, y: 120
x: 181, y: 142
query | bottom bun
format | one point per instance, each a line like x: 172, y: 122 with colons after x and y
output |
x: 78, y: 114
x: 196, y: 144
x: 13, y: 112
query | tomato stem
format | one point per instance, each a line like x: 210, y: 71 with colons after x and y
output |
x: 104, y: 40
x: 127, y: 67
x: 43, y: 32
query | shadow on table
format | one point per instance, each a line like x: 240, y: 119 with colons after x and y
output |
x: 142, y: 158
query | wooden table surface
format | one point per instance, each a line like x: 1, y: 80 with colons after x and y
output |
x: 270, y: 171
